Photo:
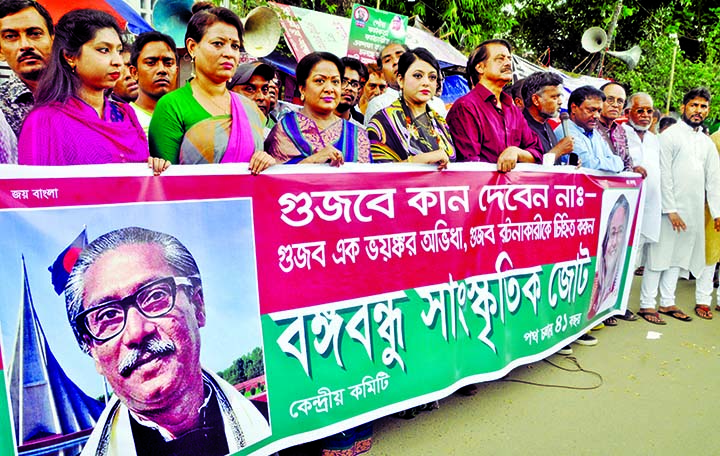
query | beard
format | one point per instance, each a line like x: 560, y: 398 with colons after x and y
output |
x: 691, y: 123
x: 552, y: 115
x: 638, y: 127
x: 343, y: 107
x: 33, y: 75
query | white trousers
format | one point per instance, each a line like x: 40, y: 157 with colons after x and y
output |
x: 665, y: 280
x: 704, y: 285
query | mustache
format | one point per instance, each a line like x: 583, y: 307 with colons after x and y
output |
x: 29, y: 54
x: 149, y: 349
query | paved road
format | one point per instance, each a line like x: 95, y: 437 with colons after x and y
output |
x: 658, y: 397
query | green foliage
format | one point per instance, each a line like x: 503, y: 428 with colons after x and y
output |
x: 549, y: 32
x: 248, y: 366
x: 652, y: 75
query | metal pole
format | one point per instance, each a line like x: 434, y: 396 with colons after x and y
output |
x: 672, y: 80
x: 610, y: 34
x: 613, y: 23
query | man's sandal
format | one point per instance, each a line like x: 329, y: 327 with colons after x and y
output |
x: 680, y: 315
x: 651, y: 317
x: 704, y: 311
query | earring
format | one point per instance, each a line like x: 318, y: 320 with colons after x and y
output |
x: 302, y: 97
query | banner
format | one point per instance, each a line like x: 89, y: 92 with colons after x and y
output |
x: 322, y: 298
x: 372, y: 29
x: 307, y: 31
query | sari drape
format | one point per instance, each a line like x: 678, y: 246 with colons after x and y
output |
x: 219, y: 139
x: 72, y: 133
x: 296, y: 137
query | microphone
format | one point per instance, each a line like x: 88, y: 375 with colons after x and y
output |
x: 564, y: 120
x: 572, y: 157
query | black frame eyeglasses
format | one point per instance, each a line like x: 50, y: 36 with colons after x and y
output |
x: 354, y: 84
x: 153, y: 300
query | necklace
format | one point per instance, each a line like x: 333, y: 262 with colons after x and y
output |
x: 426, y: 125
x: 222, y: 106
x: 422, y: 132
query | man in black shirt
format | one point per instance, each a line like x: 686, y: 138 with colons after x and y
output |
x: 543, y: 96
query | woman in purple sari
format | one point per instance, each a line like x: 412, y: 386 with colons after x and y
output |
x: 203, y: 121
x: 315, y: 134
x: 73, y: 123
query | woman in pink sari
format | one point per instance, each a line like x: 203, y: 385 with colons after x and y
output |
x: 73, y: 123
x: 203, y: 121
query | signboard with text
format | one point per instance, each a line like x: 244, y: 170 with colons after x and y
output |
x: 371, y: 29
x: 331, y: 297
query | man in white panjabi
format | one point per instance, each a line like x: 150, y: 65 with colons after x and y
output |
x: 689, y: 171
x: 644, y: 149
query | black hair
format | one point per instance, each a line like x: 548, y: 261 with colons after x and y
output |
x: 579, y: 95
x: 516, y: 89
x: 74, y: 29
x: 697, y: 92
x: 412, y: 55
x: 356, y: 65
x: 536, y: 83
x: 150, y: 37
x: 620, y: 203
x: 480, y: 54
x: 8, y: 7
x: 665, y: 122
x: 307, y: 63
x: 205, y: 15
x: 379, y: 56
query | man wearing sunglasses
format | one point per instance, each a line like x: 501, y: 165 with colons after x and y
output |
x: 135, y: 303
x: 644, y: 148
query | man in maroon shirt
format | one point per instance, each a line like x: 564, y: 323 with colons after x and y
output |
x: 485, y: 124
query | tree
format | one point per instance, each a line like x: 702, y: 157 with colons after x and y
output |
x: 235, y: 373
x: 549, y: 32
x: 248, y: 366
x: 255, y: 365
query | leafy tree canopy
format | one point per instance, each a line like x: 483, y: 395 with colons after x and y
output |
x: 549, y: 32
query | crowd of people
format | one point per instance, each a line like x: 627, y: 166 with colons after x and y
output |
x: 81, y: 93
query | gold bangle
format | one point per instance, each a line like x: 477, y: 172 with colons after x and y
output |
x: 409, y: 159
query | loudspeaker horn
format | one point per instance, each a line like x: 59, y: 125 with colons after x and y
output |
x: 262, y: 31
x: 631, y: 57
x: 594, y: 39
x: 171, y: 17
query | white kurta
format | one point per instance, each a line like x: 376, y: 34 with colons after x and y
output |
x: 645, y: 152
x: 689, y: 170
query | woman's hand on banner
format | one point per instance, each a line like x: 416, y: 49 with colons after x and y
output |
x: 158, y: 165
